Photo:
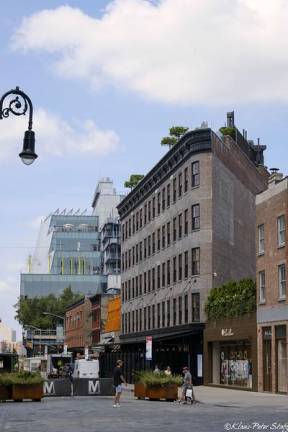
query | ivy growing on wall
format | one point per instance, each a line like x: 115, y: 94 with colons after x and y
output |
x: 231, y: 300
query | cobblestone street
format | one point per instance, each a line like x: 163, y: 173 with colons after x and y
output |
x: 219, y: 410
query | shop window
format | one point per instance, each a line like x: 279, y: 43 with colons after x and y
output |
x: 236, y: 364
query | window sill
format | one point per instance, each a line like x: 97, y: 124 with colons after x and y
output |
x: 281, y: 299
x: 262, y: 302
x: 261, y: 254
x: 281, y: 245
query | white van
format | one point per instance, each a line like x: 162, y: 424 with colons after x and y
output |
x: 86, y: 369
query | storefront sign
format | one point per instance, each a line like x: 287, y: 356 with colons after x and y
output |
x: 227, y: 332
x: 149, y: 348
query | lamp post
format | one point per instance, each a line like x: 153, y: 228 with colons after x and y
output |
x: 61, y: 318
x: 18, y: 106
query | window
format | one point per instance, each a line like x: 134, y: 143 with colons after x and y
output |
x: 180, y: 310
x: 129, y: 258
x: 168, y: 234
x: 282, y: 281
x: 136, y: 287
x: 153, y: 243
x: 186, y: 222
x: 186, y: 179
x: 158, y: 277
x: 159, y: 203
x: 140, y: 319
x: 145, y: 248
x: 180, y: 226
x: 163, y: 314
x: 153, y: 279
x: 195, y: 174
x: 174, y: 190
x: 180, y: 267
x: 158, y: 316
x: 168, y: 313
x: 153, y: 316
x: 153, y: 207
x: 163, y: 199
x: 136, y: 320
x: 133, y: 322
x: 133, y: 224
x: 133, y: 288
x: 163, y: 274
x: 133, y: 256
x: 137, y: 221
x: 149, y: 211
x: 174, y: 230
x: 137, y: 254
x: 195, y: 261
x: 180, y: 185
x: 149, y: 317
x: 168, y: 194
x: 158, y: 239
x: 261, y: 244
x: 129, y: 289
x: 123, y: 232
x: 186, y: 264
x: 195, y: 307
x: 149, y: 281
x: 174, y: 312
x: 281, y: 230
x: 195, y: 212
x: 186, y: 309
x: 262, y: 286
x: 126, y: 230
x: 149, y: 246
x: 168, y: 272
x: 140, y: 285
x: 145, y: 214
x: 140, y: 218
x: 140, y: 251
x: 145, y: 319
x: 163, y: 236
x: 174, y: 270
x: 145, y: 282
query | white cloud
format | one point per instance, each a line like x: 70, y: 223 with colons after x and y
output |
x: 57, y: 137
x: 173, y: 51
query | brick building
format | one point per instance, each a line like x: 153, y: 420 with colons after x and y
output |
x: 84, y: 321
x: 187, y: 227
x: 272, y: 309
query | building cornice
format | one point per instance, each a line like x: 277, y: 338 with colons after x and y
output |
x: 196, y: 141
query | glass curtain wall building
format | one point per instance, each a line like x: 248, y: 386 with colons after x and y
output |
x: 77, y: 250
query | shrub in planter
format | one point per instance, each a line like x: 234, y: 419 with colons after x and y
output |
x: 157, y: 385
x: 26, y: 385
x: 5, y: 387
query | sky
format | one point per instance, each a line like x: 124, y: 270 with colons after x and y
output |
x: 107, y: 79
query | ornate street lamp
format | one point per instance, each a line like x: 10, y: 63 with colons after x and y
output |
x: 19, y: 106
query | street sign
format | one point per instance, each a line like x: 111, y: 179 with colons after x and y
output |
x: 149, y: 348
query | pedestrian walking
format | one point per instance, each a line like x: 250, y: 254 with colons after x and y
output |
x: 187, y: 385
x: 118, y: 380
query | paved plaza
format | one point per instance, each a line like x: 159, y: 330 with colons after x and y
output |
x: 218, y: 410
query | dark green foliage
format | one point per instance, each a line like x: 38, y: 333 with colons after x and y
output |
x: 29, y: 312
x: 228, y: 131
x: 175, y: 133
x: 7, y: 379
x: 231, y: 300
x: 157, y: 379
x: 133, y: 181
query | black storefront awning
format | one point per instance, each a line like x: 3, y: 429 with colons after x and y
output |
x: 164, y: 334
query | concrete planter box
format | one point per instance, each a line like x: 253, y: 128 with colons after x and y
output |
x: 5, y: 392
x: 169, y: 392
x: 27, y: 391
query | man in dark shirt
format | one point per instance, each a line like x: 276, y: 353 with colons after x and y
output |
x: 118, y: 380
